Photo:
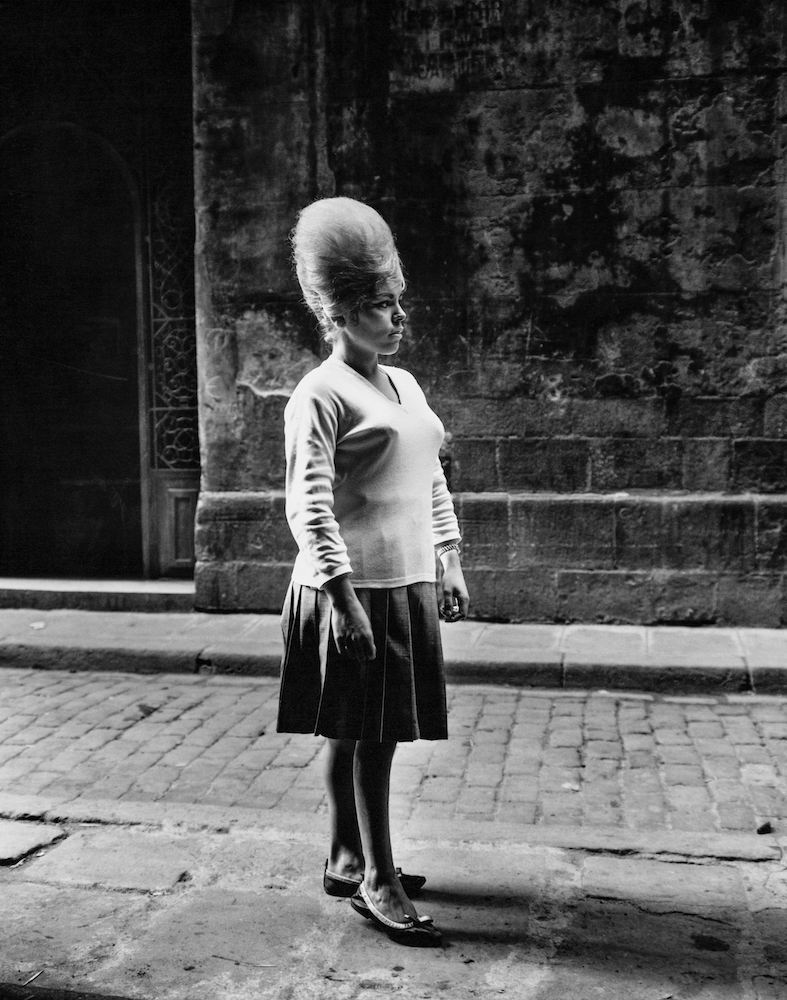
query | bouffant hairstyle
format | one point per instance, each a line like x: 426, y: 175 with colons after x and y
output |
x: 343, y: 251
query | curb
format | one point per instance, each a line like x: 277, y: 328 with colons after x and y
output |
x: 552, y: 671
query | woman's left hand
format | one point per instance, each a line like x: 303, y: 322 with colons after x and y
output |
x: 453, y: 598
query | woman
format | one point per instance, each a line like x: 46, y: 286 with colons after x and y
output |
x: 368, y: 505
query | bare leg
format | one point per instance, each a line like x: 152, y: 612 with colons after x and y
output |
x: 346, y: 855
x: 372, y: 783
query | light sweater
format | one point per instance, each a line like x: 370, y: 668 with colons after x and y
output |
x: 365, y: 490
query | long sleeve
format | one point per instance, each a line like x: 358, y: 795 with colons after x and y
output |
x: 445, y: 525
x: 310, y: 435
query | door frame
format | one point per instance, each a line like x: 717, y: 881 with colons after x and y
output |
x: 168, y: 496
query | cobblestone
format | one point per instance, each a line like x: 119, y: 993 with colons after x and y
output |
x: 584, y: 758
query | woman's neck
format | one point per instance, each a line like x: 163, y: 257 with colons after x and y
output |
x: 365, y: 364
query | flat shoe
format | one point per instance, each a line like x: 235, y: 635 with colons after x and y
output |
x: 340, y: 885
x: 418, y: 933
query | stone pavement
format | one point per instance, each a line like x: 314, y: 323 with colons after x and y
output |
x: 578, y: 758
x: 660, y: 658
x: 160, y: 840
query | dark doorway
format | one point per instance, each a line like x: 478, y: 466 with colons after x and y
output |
x: 70, y: 497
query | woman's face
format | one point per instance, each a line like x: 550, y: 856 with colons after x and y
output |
x: 378, y: 326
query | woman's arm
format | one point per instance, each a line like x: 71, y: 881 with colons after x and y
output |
x: 311, y: 431
x: 454, y: 600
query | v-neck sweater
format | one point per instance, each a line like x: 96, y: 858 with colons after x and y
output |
x: 366, y: 494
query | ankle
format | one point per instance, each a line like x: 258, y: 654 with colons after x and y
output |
x: 380, y: 878
x: 345, y: 861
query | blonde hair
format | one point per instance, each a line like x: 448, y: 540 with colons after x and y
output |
x: 343, y: 251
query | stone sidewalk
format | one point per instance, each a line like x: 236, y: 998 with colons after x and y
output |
x: 660, y: 659
x: 159, y: 841
x: 630, y: 762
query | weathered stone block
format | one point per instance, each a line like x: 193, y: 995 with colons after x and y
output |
x: 474, y: 465
x: 714, y: 534
x: 684, y: 598
x: 216, y: 587
x: 706, y: 464
x: 246, y: 451
x: 639, y: 534
x: 482, y: 587
x: 771, y: 526
x: 239, y: 586
x: 527, y: 595
x: 636, y: 463
x: 760, y: 465
x: 463, y: 418
x: 547, y: 418
x: 604, y: 596
x: 554, y: 465
x: 714, y: 342
x: 775, y: 418
x: 602, y: 418
x: 243, y: 526
x: 484, y: 524
x: 561, y: 531
x: 750, y: 601
x: 724, y: 238
x: 716, y: 417
x: 263, y: 585
x: 260, y: 541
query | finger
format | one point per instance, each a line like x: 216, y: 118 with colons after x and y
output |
x: 369, y: 646
x: 346, y: 646
x: 464, y: 605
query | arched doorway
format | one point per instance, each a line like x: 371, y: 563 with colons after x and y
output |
x: 70, y: 491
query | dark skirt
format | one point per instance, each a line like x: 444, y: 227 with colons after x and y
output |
x: 399, y: 696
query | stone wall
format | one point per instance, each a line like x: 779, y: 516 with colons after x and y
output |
x: 588, y: 197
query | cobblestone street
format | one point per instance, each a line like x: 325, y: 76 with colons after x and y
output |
x: 637, y: 762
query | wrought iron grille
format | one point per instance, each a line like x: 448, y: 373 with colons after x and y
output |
x: 173, y: 357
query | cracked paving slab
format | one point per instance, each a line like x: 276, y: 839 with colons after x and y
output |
x: 109, y: 911
x: 117, y: 859
x: 18, y: 839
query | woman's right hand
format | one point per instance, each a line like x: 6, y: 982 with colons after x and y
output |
x: 350, y: 625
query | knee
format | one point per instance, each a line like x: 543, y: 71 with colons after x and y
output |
x: 341, y: 748
x: 368, y: 750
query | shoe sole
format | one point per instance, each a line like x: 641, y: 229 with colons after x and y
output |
x: 415, y: 937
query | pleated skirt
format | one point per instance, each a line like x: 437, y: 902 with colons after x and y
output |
x: 399, y: 696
